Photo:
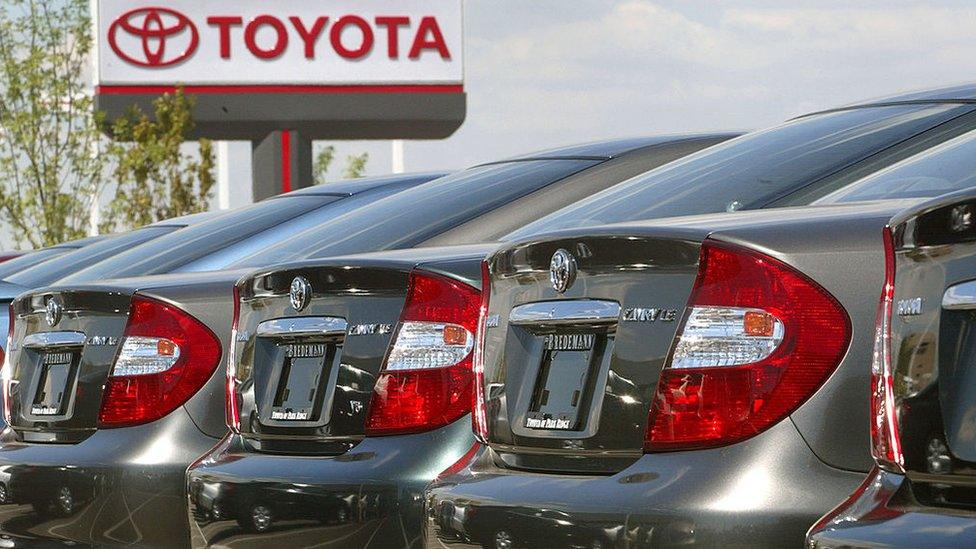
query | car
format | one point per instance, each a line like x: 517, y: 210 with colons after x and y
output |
x: 697, y: 380
x: 124, y: 418
x: 375, y: 413
x: 921, y: 491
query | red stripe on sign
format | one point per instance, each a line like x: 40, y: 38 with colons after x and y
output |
x: 241, y: 89
x: 285, y: 161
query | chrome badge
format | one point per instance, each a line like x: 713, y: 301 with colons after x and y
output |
x: 53, y: 311
x: 910, y: 307
x: 301, y: 291
x: 562, y: 270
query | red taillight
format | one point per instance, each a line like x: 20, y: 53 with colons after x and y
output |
x: 232, y: 408
x: 166, y: 357
x: 7, y: 371
x: 885, y: 440
x: 479, y: 415
x: 426, y: 381
x: 757, y: 339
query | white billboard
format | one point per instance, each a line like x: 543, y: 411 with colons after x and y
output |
x: 264, y: 44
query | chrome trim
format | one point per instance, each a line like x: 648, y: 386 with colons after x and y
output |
x: 54, y: 339
x: 962, y: 296
x: 570, y: 311
x: 303, y: 326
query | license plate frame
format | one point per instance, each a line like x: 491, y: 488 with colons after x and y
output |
x: 301, y: 382
x: 50, y: 397
x: 563, y: 384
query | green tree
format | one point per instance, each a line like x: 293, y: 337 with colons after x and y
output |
x: 156, y: 179
x: 50, y: 169
x: 323, y: 159
x: 355, y: 164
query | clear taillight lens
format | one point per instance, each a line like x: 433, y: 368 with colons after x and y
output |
x: 427, y: 381
x: 166, y: 357
x: 421, y: 345
x: 726, y: 336
x: 885, y: 440
x: 757, y: 339
x: 145, y: 355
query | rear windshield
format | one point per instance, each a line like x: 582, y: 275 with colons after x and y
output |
x: 943, y: 169
x: 417, y: 214
x: 166, y: 253
x: 753, y: 170
x: 51, y: 270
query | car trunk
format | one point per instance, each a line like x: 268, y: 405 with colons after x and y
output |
x: 569, y: 377
x: 65, y: 343
x: 933, y: 351
x: 305, y: 377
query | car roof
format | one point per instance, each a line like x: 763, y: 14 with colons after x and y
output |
x: 958, y: 93
x: 609, y: 148
x: 187, y: 220
x: 349, y: 187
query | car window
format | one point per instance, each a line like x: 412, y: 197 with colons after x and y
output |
x: 271, y: 237
x: 166, y: 253
x: 753, y: 170
x: 53, y: 269
x: 416, y: 214
x: 946, y: 168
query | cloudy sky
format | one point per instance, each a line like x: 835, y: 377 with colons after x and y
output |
x: 542, y: 73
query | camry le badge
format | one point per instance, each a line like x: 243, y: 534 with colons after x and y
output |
x: 301, y: 291
x: 644, y: 314
x: 370, y: 329
x: 562, y: 270
x: 53, y: 311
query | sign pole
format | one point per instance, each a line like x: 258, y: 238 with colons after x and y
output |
x: 281, y: 162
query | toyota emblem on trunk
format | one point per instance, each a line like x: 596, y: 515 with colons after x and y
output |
x: 301, y: 290
x: 53, y: 311
x: 562, y: 270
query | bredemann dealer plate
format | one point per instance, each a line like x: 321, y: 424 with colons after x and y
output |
x: 55, y: 373
x: 301, y: 382
x: 563, y: 375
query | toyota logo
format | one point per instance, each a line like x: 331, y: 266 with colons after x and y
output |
x: 562, y: 270
x: 153, y: 37
x: 301, y: 290
x: 53, y: 311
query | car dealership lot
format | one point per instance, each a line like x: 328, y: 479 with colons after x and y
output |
x: 751, y: 338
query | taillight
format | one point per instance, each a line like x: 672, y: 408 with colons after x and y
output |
x: 7, y: 371
x: 426, y: 381
x: 479, y: 415
x: 232, y: 408
x: 166, y: 356
x: 757, y: 339
x: 885, y: 441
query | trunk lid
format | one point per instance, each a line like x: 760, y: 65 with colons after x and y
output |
x: 933, y: 352
x: 305, y: 368
x: 578, y: 331
x: 64, y: 346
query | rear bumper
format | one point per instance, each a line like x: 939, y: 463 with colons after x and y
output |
x: 883, y: 513
x: 118, y: 487
x: 370, y: 496
x: 765, y: 492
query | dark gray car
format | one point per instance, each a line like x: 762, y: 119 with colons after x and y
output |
x: 386, y: 418
x: 690, y: 381
x: 142, y: 394
x: 922, y: 491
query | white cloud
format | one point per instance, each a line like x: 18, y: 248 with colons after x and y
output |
x: 542, y: 74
